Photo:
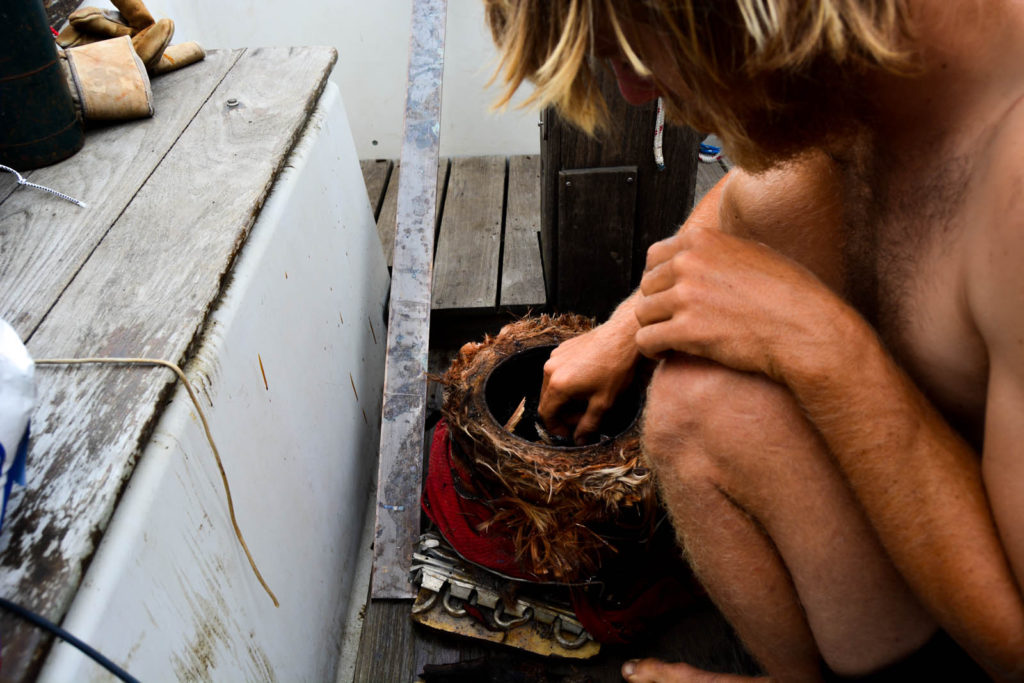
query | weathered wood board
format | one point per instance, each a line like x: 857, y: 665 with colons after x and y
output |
x: 521, y: 281
x: 376, y: 173
x: 467, y: 259
x: 161, y: 243
x: 45, y: 240
x: 393, y: 648
x: 708, y: 176
x: 522, y: 277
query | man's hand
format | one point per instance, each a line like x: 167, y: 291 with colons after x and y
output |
x: 585, y: 374
x: 733, y: 301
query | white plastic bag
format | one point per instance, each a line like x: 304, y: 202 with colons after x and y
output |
x: 17, y: 395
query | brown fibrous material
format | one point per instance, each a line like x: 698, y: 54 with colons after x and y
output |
x: 557, y: 503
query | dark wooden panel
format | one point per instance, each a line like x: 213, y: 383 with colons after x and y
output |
x: 375, y: 175
x: 664, y: 197
x: 522, y: 278
x: 595, y: 238
x: 466, y: 263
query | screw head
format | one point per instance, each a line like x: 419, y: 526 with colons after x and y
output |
x: 232, y: 102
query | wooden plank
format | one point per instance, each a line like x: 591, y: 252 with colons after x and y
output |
x: 375, y: 175
x: 466, y: 263
x: 522, y: 275
x: 393, y: 648
x: 145, y: 291
x: 595, y: 238
x: 386, y: 219
x: 405, y: 383
x: 8, y: 184
x: 45, y: 240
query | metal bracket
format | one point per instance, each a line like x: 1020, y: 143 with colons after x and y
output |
x: 523, y: 621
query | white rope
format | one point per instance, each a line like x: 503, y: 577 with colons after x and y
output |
x: 659, y: 134
x: 22, y: 181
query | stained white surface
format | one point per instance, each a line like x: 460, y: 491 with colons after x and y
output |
x: 372, y: 38
x: 170, y: 594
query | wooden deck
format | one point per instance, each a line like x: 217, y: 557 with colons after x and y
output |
x: 488, y: 255
x: 487, y: 270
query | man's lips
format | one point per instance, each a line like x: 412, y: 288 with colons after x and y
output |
x: 634, y: 88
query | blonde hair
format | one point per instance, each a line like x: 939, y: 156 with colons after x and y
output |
x: 759, y: 46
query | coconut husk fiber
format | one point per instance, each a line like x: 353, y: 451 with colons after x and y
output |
x: 564, y: 507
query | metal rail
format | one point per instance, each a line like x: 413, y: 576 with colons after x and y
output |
x: 405, y: 382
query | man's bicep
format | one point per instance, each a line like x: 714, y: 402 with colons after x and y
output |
x: 995, y: 294
x: 1003, y: 460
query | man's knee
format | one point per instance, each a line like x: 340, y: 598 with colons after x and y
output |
x: 698, y: 410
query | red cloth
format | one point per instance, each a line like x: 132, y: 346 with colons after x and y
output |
x: 661, y: 584
x: 458, y: 518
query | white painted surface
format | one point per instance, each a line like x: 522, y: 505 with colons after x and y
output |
x: 372, y: 38
x: 170, y: 593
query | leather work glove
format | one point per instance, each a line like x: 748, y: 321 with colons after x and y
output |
x: 151, y: 39
x: 108, y: 80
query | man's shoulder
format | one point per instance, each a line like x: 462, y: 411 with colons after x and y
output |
x: 795, y: 208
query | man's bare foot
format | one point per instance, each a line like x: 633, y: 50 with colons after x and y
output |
x: 657, y: 671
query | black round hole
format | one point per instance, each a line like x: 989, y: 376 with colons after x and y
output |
x: 521, y: 375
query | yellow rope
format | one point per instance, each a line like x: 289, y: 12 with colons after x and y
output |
x: 206, y: 428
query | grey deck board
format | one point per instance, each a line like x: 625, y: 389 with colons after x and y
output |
x: 708, y: 176
x: 163, y: 242
x: 522, y: 277
x: 376, y: 173
x: 520, y: 280
x: 466, y: 263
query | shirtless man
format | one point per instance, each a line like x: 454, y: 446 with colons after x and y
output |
x: 837, y: 416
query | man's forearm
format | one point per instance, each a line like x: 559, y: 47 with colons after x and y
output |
x: 920, y: 485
